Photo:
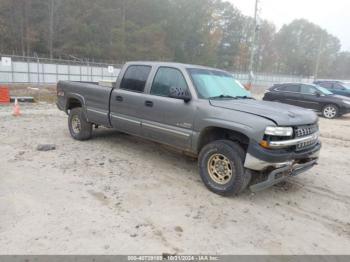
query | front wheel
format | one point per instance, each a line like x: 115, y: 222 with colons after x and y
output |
x: 78, y: 126
x: 221, y: 167
x: 330, y: 111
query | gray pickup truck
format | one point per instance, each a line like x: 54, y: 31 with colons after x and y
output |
x: 239, y: 141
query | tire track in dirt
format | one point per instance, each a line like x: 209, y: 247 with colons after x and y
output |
x: 324, y: 192
x: 341, y: 227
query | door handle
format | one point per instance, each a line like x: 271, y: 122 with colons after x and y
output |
x: 119, y: 98
x: 149, y: 103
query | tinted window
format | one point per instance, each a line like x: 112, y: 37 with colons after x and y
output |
x: 308, y: 90
x: 326, y: 84
x: 323, y: 90
x: 338, y: 87
x: 135, y: 78
x: 167, y: 78
x: 291, y: 88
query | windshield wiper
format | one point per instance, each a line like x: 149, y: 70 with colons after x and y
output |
x: 244, y: 97
x: 223, y: 96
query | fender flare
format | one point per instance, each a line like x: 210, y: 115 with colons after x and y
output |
x: 80, y: 98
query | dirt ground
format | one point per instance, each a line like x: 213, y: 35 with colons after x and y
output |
x: 117, y: 194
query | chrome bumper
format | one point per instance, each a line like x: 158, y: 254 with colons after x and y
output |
x: 293, y: 142
x: 256, y: 164
x: 280, y: 174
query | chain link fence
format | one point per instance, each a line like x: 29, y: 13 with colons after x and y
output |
x: 267, y: 80
x: 35, y: 70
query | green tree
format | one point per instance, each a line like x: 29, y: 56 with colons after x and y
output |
x: 298, y: 44
x: 341, y: 66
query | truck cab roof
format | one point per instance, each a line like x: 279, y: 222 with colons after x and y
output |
x: 169, y: 64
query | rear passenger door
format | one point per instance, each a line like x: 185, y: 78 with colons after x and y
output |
x: 127, y: 101
x: 168, y: 120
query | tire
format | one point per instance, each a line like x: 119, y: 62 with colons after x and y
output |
x: 330, y: 111
x: 210, y: 161
x: 78, y: 126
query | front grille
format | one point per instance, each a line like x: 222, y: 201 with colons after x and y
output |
x: 302, y: 131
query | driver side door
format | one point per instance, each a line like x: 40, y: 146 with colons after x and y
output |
x: 309, y: 97
x: 164, y: 119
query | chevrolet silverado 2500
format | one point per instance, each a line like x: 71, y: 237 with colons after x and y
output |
x: 239, y: 141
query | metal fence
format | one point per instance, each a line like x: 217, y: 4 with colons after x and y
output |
x: 18, y: 69
x: 34, y: 70
x: 267, y: 80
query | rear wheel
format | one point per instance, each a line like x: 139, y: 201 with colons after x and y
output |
x: 330, y: 111
x: 221, y: 167
x: 78, y: 126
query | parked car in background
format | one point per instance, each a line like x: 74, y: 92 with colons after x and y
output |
x: 309, y: 96
x: 336, y: 87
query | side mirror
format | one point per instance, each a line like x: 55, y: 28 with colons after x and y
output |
x: 318, y: 94
x: 178, y: 93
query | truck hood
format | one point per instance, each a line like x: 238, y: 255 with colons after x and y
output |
x: 281, y: 114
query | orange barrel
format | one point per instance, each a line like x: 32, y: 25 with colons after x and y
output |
x: 4, y: 95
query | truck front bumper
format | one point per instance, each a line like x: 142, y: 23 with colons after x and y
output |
x: 278, y: 175
x: 260, y: 159
x: 277, y: 165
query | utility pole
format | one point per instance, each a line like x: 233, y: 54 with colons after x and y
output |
x: 123, y: 16
x: 318, y: 59
x: 252, y: 47
x: 51, y: 25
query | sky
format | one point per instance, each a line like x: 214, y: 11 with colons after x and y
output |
x: 332, y: 15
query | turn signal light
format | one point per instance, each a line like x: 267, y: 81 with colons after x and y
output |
x: 264, y: 144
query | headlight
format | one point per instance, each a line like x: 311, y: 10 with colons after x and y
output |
x: 346, y: 102
x: 278, y: 131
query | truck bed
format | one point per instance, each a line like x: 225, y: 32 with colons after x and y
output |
x: 93, y: 97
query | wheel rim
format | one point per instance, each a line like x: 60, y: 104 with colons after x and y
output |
x: 76, y: 124
x: 330, y: 112
x: 220, y: 169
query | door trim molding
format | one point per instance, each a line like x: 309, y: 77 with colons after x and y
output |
x: 126, y: 119
x: 97, y: 111
x: 166, y: 129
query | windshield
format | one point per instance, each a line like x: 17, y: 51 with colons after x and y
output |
x: 216, y: 84
x: 324, y: 90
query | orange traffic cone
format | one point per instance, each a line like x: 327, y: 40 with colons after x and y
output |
x: 16, y: 109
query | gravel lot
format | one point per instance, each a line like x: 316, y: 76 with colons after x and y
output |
x: 118, y: 194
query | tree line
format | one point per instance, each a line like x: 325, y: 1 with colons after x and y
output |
x: 209, y: 32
